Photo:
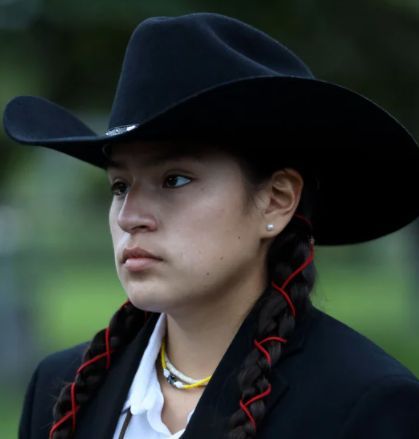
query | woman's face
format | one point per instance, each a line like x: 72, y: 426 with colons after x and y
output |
x: 192, y: 213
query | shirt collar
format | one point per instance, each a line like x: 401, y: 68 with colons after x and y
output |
x: 141, y: 395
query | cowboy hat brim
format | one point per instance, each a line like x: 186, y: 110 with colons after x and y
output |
x: 366, y: 162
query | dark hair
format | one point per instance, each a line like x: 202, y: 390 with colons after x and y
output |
x: 289, y: 255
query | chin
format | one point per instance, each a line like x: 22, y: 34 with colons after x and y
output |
x: 147, y: 301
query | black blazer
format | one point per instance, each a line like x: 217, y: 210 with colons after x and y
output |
x: 331, y: 383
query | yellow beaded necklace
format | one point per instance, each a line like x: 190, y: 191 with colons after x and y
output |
x: 174, y: 377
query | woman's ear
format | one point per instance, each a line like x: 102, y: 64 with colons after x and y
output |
x: 279, y: 200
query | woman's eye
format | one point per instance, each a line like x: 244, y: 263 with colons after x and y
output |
x: 172, y: 179
x: 117, y: 188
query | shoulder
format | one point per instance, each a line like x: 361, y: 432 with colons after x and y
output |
x: 54, y: 371
x: 387, y: 408
x: 59, y: 367
x: 346, y: 351
x: 377, y: 395
x: 342, y: 376
x: 65, y: 360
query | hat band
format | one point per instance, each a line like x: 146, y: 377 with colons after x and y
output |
x: 121, y: 129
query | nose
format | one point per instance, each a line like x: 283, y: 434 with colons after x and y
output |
x: 135, y: 213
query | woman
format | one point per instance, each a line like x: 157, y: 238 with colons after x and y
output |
x: 227, y: 160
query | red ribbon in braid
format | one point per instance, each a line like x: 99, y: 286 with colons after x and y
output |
x: 258, y: 344
x: 74, y: 407
x: 255, y: 398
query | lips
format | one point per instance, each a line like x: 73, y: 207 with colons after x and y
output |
x: 137, y: 252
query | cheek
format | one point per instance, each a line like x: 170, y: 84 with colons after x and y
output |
x: 213, y: 234
x: 114, y: 228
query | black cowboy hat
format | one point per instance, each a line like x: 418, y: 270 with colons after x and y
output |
x: 205, y: 75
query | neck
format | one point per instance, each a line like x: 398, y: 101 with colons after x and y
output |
x: 197, y: 339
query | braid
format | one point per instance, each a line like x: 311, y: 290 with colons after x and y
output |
x: 289, y: 258
x: 123, y: 327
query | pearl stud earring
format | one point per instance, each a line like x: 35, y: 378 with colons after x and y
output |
x: 269, y: 227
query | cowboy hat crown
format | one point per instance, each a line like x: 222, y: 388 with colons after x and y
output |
x: 206, y: 75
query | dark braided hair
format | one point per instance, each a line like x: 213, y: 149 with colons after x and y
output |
x: 290, y: 265
x: 275, y: 319
x: 123, y: 327
x: 289, y: 257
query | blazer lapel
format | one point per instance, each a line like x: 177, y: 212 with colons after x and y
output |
x: 217, y: 403
x: 221, y: 397
x: 101, y: 415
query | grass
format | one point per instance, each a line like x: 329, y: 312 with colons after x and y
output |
x: 10, y: 407
x: 74, y: 305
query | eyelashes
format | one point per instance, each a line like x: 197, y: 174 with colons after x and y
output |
x: 173, y: 177
x: 118, y: 188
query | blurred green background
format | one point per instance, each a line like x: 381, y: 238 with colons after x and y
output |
x: 58, y: 285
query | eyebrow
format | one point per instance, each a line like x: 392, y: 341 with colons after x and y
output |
x: 157, y: 159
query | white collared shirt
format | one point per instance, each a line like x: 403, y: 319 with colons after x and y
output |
x: 145, y: 396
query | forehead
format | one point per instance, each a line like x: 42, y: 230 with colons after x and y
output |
x: 153, y: 153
